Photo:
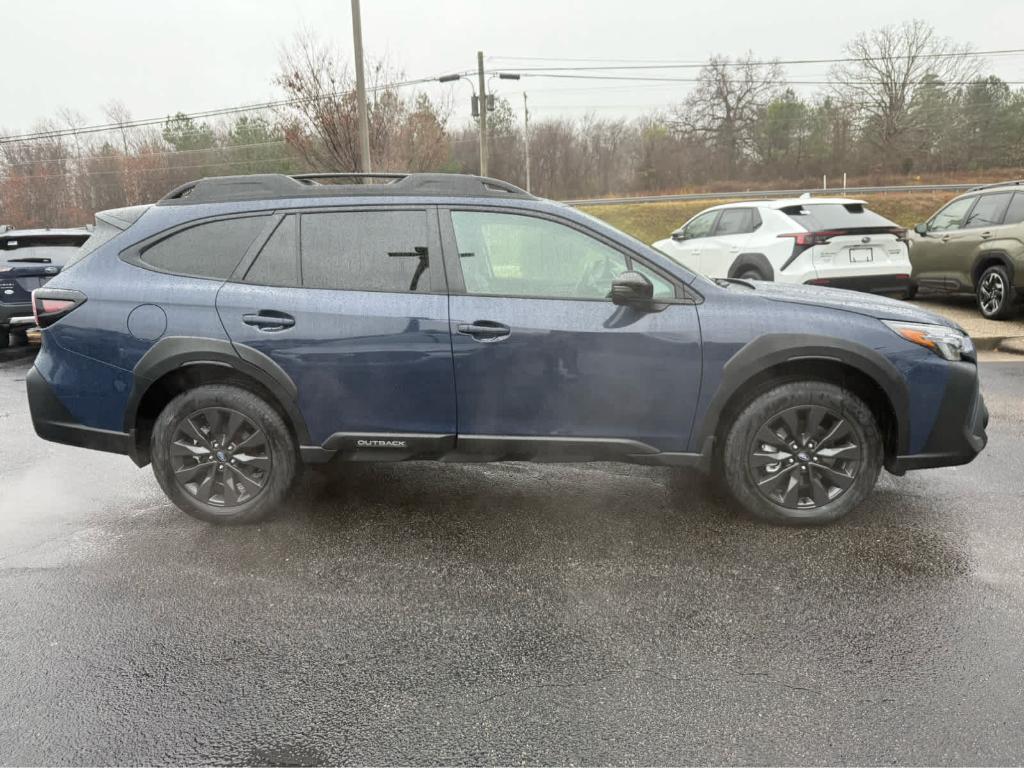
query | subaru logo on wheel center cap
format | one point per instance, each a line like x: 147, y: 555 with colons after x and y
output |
x: 803, y: 456
x: 221, y: 456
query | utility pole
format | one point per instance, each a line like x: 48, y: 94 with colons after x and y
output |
x: 364, y: 124
x: 483, y: 110
x: 526, y: 139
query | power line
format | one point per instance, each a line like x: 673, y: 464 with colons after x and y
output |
x: 142, y: 123
x: 769, y: 62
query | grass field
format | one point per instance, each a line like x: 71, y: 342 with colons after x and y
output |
x: 654, y: 221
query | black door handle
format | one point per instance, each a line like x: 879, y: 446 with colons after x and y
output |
x: 484, y: 329
x: 269, y: 320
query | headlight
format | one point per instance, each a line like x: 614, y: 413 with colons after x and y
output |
x: 948, y: 343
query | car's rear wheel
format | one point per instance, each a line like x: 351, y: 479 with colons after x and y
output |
x: 995, y: 292
x: 803, y: 452
x: 911, y: 292
x: 5, y: 337
x: 223, y: 454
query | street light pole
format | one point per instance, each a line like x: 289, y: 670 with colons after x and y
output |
x: 483, y: 112
x: 364, y: 123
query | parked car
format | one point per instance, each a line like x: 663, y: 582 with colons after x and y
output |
x: 833, y: 241
x: 29, y: 258
x: 244, y: 325
x: 975, y: 244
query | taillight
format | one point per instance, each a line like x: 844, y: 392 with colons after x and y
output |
x: 51, y: 304
x: 810, y: 239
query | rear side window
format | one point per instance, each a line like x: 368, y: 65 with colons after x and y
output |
x: 278, y: 261
x: 1015, y: 213
x: 366, y: 251
x: 816, y: 217
x: 210, y: 250
x: 988, y: 212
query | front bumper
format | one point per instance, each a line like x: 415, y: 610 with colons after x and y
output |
x: 895, y: 283
x: 52, y: 421
x: 958, y: 434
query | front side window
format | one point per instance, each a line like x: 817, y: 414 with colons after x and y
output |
x: 734, y: 221
x: 988, y: 212
x: 210, y: 250
x: 951, y: 216
x: 366, y: 251
x: 511, y: 255
x: 701, y: 226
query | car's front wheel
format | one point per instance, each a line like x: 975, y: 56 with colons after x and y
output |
x: 803, y: 452
x: 995, y: 292
x: 223, y: 454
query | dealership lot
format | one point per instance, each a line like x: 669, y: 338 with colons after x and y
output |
x: 508, y: 613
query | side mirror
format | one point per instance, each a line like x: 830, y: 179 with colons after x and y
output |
x: 921, y: 229
x: 631, y: 289
x: 679, y: 235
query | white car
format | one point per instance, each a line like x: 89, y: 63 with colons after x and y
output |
x: 830, y: 241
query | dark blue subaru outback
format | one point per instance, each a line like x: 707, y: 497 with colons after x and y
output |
x: 244, y: 325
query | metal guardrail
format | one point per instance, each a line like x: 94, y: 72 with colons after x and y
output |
x: 768, y: 193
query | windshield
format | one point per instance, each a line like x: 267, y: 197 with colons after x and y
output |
x: 39, y: 250
x: 824, y: 216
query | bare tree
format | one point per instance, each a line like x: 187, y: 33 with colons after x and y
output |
x: 890, y: 65
x: 724, y: 107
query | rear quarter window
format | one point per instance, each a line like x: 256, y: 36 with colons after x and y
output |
x: 815, y: 217
x: 210, y: 250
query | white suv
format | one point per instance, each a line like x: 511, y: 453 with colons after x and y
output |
x: 830, y: 241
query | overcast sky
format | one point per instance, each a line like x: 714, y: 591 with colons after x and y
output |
x: 161, y: 57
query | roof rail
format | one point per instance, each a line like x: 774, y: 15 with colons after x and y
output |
x: 262, y: 186
x: 1016, y: 183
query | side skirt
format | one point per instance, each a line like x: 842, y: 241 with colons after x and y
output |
x: 388, y: 447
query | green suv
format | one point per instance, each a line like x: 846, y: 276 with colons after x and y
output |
x: 975, y: 244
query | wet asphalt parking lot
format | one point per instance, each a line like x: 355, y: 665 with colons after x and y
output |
x: 512, y: 613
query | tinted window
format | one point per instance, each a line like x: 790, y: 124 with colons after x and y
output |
x: 366, y: 251
x: 663, y: 289
x: 988, y: 212
x: 278, y: 262
x: 510, y: 255
x: 951, y: 216
x: 701, y: 226
x: 207, y: 250
x: 815, y: 217
x: 1015, y: 213
x: 734, y: 221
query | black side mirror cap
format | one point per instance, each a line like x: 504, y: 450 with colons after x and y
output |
x: 921, y: 229
x: 678, y: 235
x: 632, y: 289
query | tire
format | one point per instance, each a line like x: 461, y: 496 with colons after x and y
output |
x: 247, y: 478
x: 995, y: 293
x: 826, y: 488
x: 751, y: 274
x: 910, y: 293
x: 5, y: 337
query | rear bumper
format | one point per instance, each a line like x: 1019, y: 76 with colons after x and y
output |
x: 895, y: 283
x: 959, y: 432
x: 14, y: 309
x: 53, y: 422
